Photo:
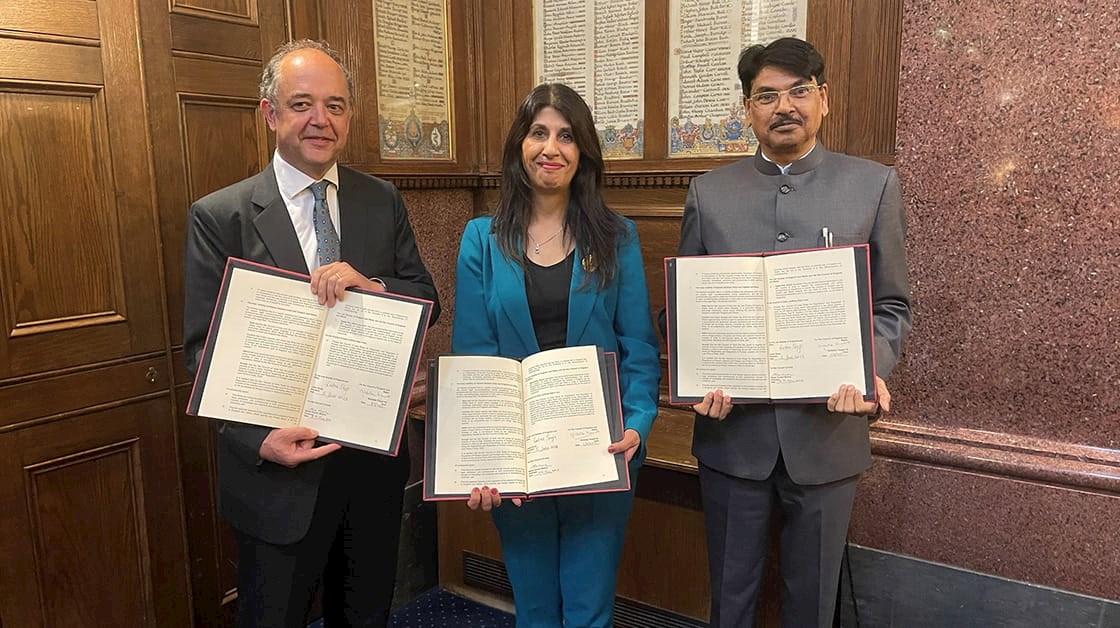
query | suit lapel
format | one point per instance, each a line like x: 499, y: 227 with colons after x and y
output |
x: 353, y: 222
x: 509, y: 280
x: 580, y: 302
x: 274, y: 225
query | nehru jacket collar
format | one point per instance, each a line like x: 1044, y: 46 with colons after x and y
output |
x: 811, y: 160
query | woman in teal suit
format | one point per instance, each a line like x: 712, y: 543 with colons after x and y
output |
x: 555, y: 267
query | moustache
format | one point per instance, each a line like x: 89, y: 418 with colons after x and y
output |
x: 784, y: 120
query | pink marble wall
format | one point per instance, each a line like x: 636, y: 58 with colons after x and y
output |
x: 438, y: 218
x: 1009, y: 153
x: 1003, y: 453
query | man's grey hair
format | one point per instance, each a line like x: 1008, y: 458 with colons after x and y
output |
x: 270, y: 77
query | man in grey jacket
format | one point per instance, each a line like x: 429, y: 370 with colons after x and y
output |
x: 804, y: 459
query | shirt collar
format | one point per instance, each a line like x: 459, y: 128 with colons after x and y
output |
x: 292, y: 181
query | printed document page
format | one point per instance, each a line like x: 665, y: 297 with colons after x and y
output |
x: 721, y: 325
x: 814, y: 323
x: 362, y: 369
x: 479, y: 426
x: 265, y: 351
x: 567, y: 434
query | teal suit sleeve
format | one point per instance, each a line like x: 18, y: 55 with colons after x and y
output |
x: 639, y: 365
x: 471, y: 330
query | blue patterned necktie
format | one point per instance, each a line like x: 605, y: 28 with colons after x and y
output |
x: 325, y: 233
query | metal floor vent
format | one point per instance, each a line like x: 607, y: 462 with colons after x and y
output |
x: 489, y: 574
x: 486, y: 573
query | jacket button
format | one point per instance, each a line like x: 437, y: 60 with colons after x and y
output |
x: 782, y: 236
x: 785, y: 189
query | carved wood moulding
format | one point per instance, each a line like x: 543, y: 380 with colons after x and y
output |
x: 491, y: 181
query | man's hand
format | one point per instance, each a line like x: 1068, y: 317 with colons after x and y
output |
x: 848, y: 400
x: 629, y: 444
x: 330, y: 282
x: 715, y: 405
x: 290, y: 446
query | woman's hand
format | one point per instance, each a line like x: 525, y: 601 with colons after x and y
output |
x: 629, y: 444
x: 487, y: 498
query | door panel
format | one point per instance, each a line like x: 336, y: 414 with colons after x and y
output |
x: 78, y: 238
x: 59, y: 18
x: 92, y: 533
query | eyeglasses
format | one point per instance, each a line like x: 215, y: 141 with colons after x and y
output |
x: 797, y: 93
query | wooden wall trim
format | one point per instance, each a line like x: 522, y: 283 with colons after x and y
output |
x: 56, y: 483
x: 71, y: 22
x: 303, y: 19
x: 70, y: 414
x: 48, y: 399
x: 56, y: 62
x: 423, y: 182
x: 651, y: 180
x: 196, y: 74
x: 86, y: 367
x: 491, y: 181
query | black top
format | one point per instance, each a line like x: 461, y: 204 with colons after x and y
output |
x: 547, y: 288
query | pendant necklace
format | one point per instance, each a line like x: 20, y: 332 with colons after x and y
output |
x: 537, y: 245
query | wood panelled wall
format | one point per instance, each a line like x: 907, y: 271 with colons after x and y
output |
x: 114, y: 116
x: 204, y: 65
x: 89, y: 495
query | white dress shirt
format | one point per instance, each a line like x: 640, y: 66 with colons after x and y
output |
x: 300, y: 202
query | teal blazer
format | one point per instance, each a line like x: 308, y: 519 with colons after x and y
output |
x: 492, y: 315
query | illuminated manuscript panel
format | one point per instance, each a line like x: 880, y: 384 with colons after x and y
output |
x: 597, y: 49
x: 413, y: 79
x: 706, y: 117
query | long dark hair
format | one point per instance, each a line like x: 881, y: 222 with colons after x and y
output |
x: 595, y: 228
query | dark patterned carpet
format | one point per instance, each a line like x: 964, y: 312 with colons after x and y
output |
x: 437, y: 608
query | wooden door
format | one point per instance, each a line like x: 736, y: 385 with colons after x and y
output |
x: 90, y: 500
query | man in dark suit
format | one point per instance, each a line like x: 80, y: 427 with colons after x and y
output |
x: 304, y: 513
x: 803, y: 459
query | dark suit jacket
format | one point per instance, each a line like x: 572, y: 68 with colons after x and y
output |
x: 249, y: 220
x: 749, y: 206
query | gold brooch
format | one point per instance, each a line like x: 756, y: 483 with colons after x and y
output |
x: 588, y: 263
